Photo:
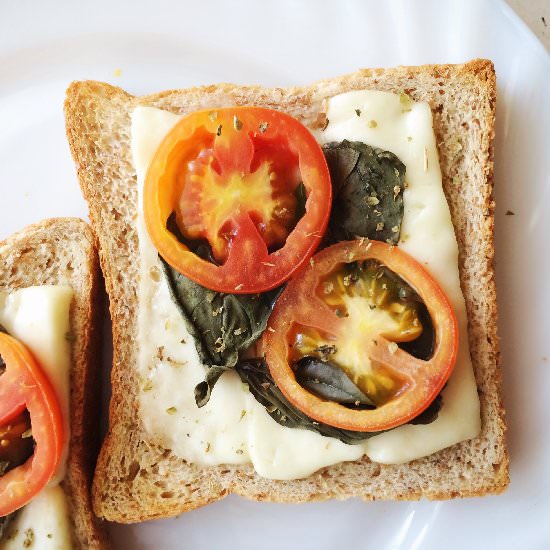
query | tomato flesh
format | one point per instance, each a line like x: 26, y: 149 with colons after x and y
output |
x: 15, y: 446
x: 362, y: 323
x: 231, y: 177
x: 368, y: 304
x: 212, y: 198
x: 24, y: 386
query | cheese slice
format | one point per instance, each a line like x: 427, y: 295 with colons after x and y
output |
x: 43, y: 524
x: 233, y: 427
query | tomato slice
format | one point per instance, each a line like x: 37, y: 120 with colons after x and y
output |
x: 23, y: 385
x: 231, y: 178
x: 357, y: 322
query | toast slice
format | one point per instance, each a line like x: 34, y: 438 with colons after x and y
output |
x: 136, y: 480
x: 62, y: 251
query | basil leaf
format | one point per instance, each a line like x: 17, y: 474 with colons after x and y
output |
x: 329, y: 382
x: 201, y: 247
x: 4, y: 467
x: 221, y: 324
x: 255, y: 373
x: 368, y: 185
x: 423, y: 346
x: 431, y: 413
x: 203, y: 389
x: 341, y: 161
x: 4, y: 524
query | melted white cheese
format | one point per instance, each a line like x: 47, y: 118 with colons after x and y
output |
x: 38, y: 316
x: 42, y: 524
x: 234, y: 428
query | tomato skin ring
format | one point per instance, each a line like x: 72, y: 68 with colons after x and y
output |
x: 426, y: 378
x: 25, y: 386
x: 249, y: 267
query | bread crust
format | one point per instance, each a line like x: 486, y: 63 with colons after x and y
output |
x: 135, y: 479
x: 62, y: 251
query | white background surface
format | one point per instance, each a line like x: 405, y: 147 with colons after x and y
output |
x: 536, y: 13
x: 163, y: 44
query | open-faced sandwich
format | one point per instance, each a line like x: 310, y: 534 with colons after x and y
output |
x: 49, y: 397
x: 301, y: 288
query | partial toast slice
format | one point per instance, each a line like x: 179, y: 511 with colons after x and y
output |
x: 62, y: 251
x: 136, y: 480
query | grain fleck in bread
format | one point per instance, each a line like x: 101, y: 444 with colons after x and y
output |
x: 136, y: 480
x: 62, y: 251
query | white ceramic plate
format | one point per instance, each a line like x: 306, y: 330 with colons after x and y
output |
x: 146, y: 47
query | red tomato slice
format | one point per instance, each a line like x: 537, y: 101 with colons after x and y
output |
x: 312, y: 307
x: 229, y: 178
x: 23, y: 385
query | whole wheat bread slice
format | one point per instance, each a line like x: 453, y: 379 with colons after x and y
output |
x: 62, y: 251
x: 136, y: 480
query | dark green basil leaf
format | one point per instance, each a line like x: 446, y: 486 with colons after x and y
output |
x: 203, y: 389
x: 4, y: 465
x: 221, y: 324
x: 431, y: 413
x: 368, y: 187
x: 341, y: 161
x: 4, y: 524
x: 200, y: 247
x: 329, y: 382
x: 423, y: 346
x: 255, y: 373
